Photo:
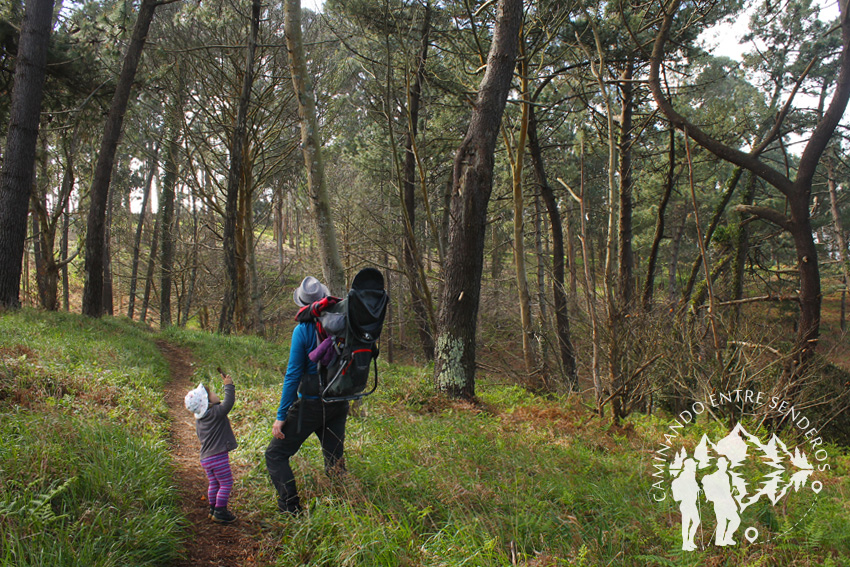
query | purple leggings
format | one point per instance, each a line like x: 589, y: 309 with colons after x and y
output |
x: 218, y: 472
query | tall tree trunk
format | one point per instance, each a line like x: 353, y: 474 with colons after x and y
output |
x: 742, y: 246
x: 311, y: 144
x: 444, y: 221
x: 626, y: 259
x: 96, y: 225
x: 569, y: 243
x: 420, y: 296
x: 675, y: 246
x: 279, y: 230
x: 808, y: 328
x: 48, y: 269
x: 541, y: 245
x: 649, y: 285
x: 166, y: 202
x: 614, y: 313
x: 346, y: 246
x: 244, y: 242
x: 472, y: 183
x: 166, y: 261
x: 63, y: 247
x: 838, y: 228
x: 107, y: 255
x: 151, y: 265
x: 297, y: 230
x: 497, y: 246
x: 517, y: 162
x: 67, y: 188
x: 257, y: 324
x: 178, y: 274
x: 390, y: 334
x: 193, y: 260
x: 26, y: 282
x: 137, y: 241
x: 60, y: 212
x: 589, y: 285
x: 37, y: 253
x: 234, y: 179
x: 16, y: 177
x: 559, y: 292
x: 46, y: 272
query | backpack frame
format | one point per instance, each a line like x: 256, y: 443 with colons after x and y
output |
x: 346, y: 378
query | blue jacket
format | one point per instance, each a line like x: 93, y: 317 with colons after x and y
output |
x: 303, y: 342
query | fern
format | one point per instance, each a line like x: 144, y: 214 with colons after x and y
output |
x: 37, y: 508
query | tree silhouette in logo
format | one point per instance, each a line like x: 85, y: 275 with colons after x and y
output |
x: 727, y: 466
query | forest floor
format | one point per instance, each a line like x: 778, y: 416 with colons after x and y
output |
x: 209, y: 543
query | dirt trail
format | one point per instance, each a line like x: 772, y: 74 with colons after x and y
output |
x: 208, y: 543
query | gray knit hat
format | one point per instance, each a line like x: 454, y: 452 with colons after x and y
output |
x: 309, y: 291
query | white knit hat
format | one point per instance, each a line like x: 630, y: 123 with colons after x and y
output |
x: 309, y: 291
x: 197, y: 401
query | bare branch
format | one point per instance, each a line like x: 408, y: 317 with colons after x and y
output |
x: 834, y: 113
x: 756, y: 345
x: 766, y: 213
x: 780, y: 118
x: 735, y: 156
x: 567, y: 187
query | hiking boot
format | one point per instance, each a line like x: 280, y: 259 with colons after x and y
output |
x: 337, y: 472
x: 223, y: 516
x: 290, y: 508
x: 212, y: 512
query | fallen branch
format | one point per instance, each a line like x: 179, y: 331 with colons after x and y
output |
x: 756, y: 345
x: 775, y: 298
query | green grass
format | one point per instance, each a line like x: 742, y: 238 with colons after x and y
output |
x: 85, y: 475
x: 80, y: 492
x: 517, y: 479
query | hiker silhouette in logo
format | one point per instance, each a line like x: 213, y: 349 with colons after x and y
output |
x: 302, y: 412
x: 686, y: 490
x: 718, y: 491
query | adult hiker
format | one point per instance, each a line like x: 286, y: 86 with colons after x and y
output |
x: 301, y: 411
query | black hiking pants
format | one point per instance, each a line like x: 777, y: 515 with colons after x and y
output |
x: 305, y: 417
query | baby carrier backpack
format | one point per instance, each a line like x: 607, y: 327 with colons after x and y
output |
x: 353, y: 326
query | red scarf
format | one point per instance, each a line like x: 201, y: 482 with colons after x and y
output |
x: 311, y: 313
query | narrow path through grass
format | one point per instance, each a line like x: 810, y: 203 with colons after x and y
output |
x: 207, y: 543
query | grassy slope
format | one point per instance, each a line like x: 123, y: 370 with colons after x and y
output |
x: 516, y: 480
x: 84, y: 468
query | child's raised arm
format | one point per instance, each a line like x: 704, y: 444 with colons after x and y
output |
x: 229, y: 392
x: 225, y: 377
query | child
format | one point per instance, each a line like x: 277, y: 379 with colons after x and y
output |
x: 217, y: 440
